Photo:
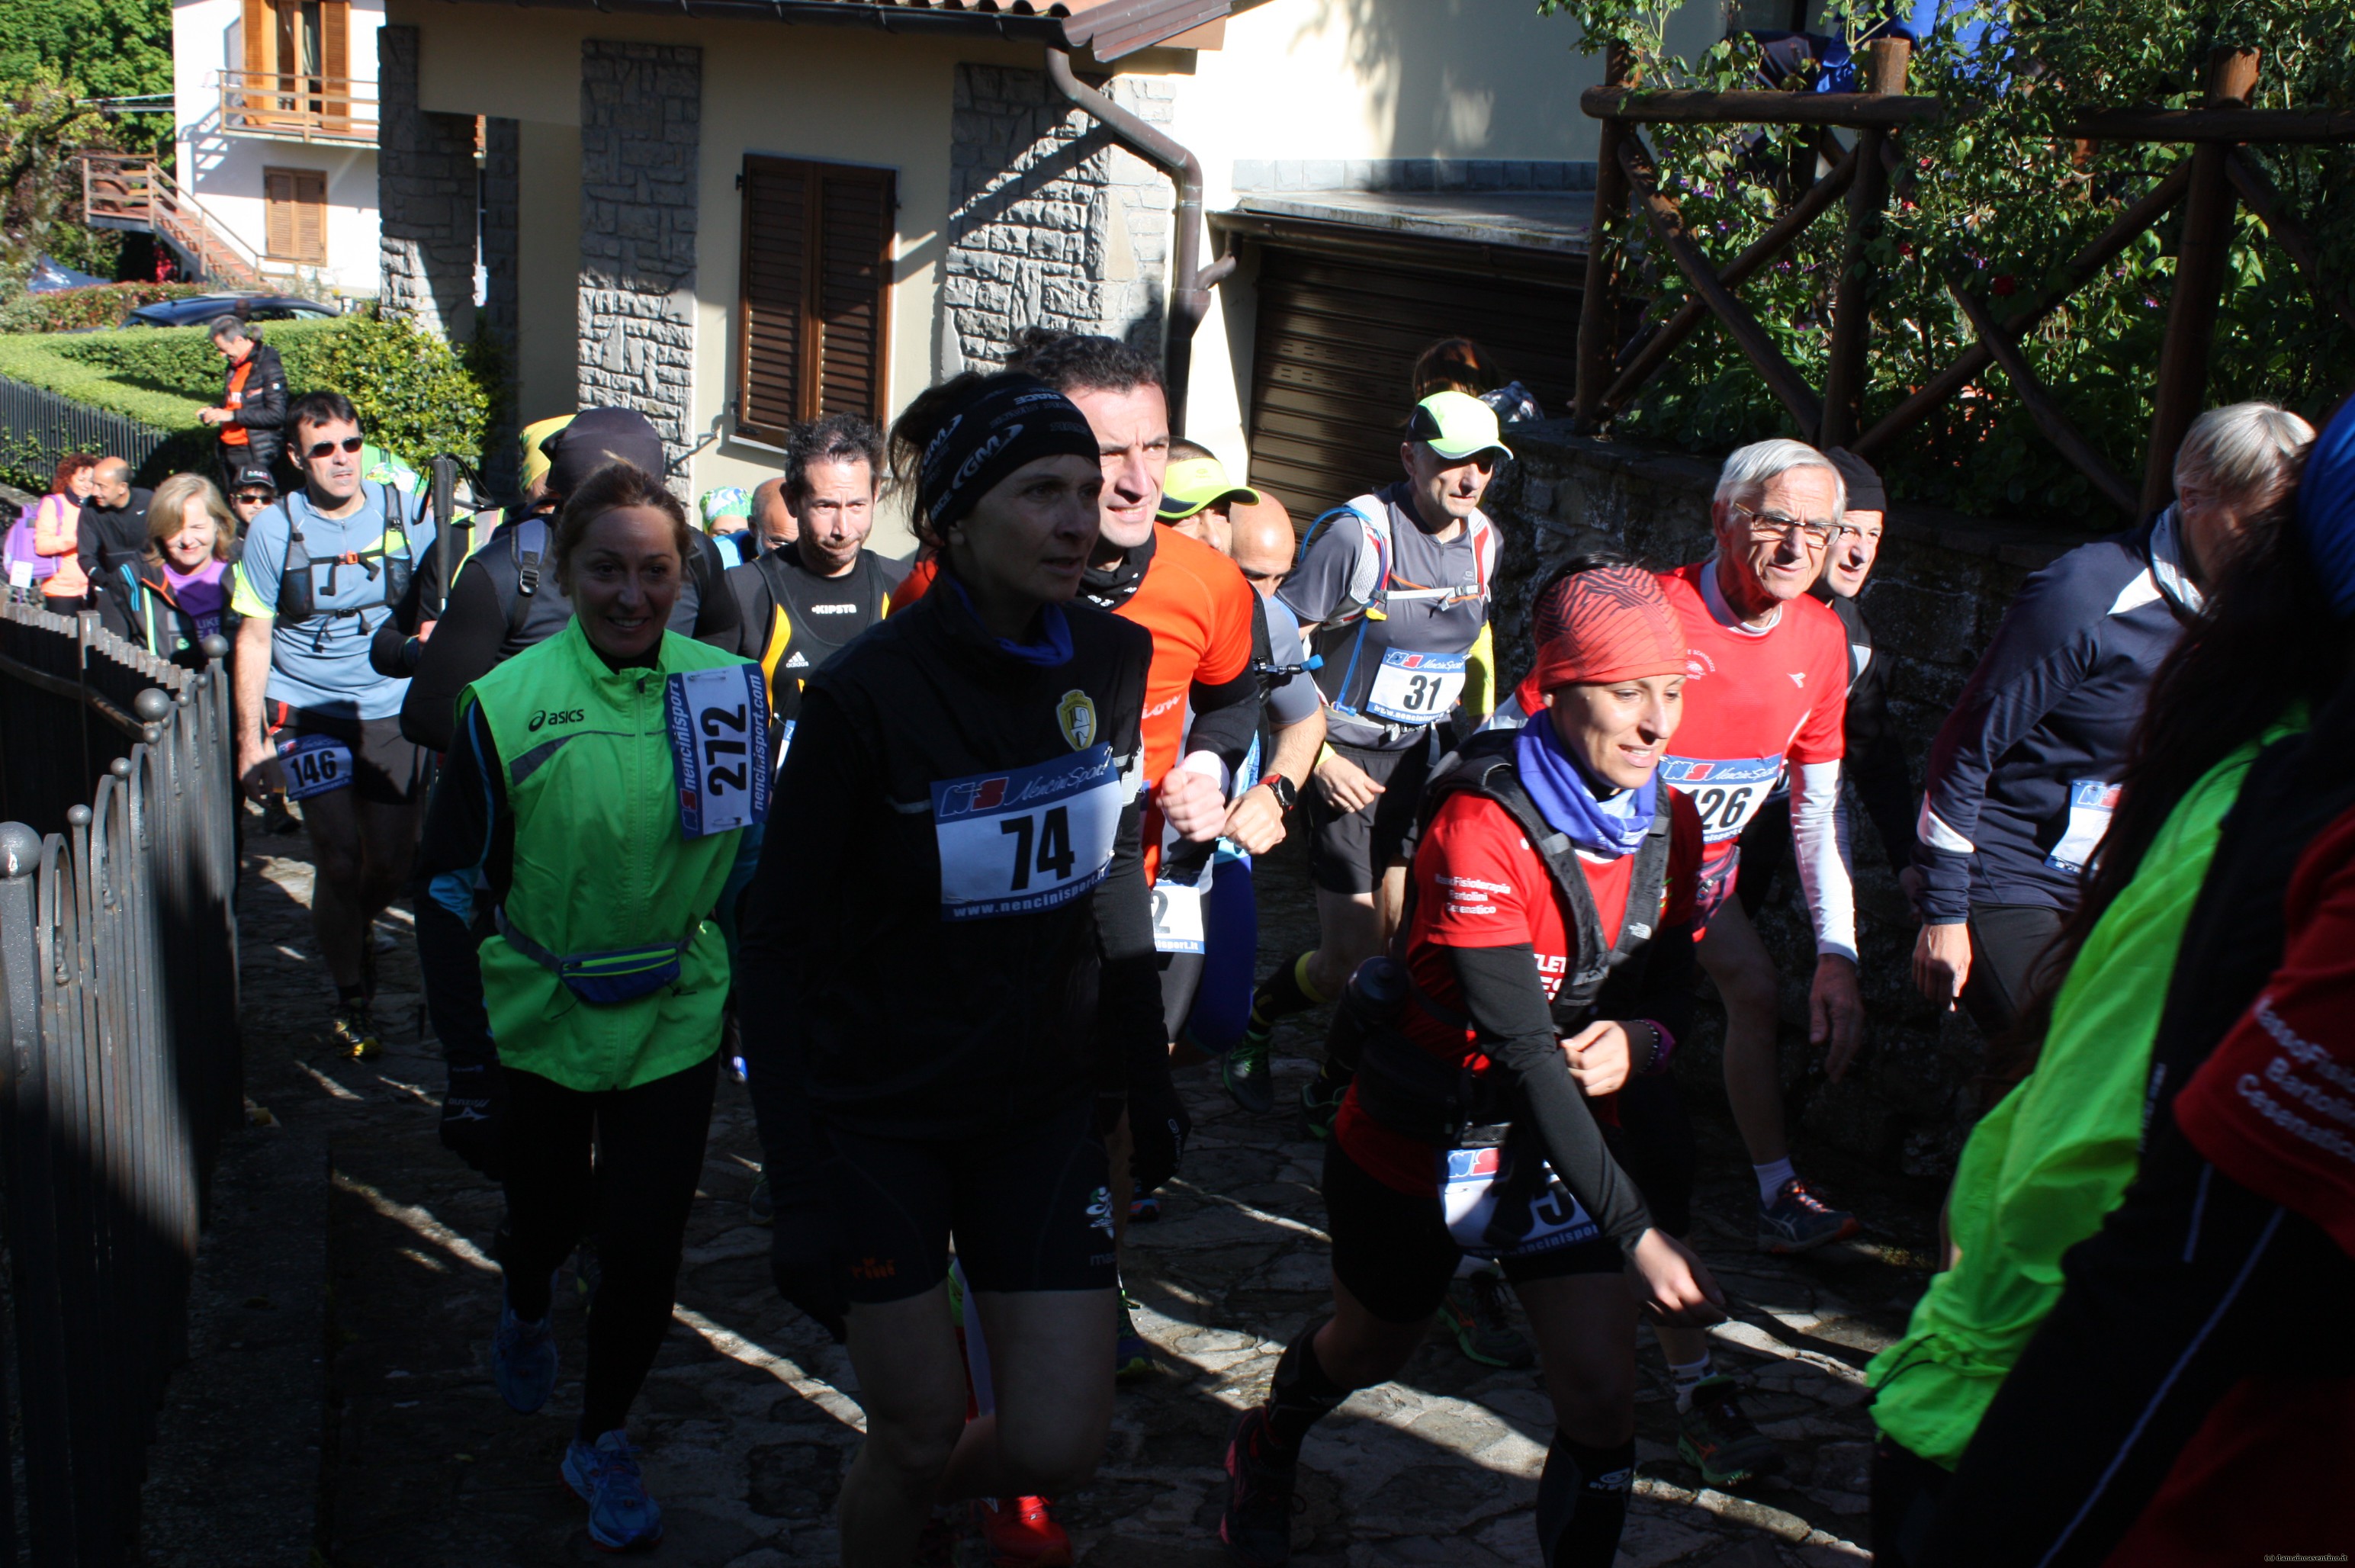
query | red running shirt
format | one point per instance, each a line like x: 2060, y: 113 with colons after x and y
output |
x: 2274, y: 1107
x: 1752, y: 701
x: 1477, y: 883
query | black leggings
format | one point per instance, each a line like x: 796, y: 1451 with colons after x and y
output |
x: 630, y: 1158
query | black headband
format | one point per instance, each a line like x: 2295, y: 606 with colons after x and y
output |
x: 1017, y: 421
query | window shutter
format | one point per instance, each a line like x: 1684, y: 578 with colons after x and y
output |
x: 772, y: 298
x: 311, y: 218
x: 335, y: 40
x: 278, y: 206
x: 256, y: 27
x: 855, y: 221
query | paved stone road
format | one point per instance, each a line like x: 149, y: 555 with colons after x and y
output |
x: 751, y: 1414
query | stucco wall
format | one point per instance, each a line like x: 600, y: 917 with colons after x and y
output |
x: 1942, y: 586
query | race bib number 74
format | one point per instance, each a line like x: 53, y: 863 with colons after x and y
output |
x: 720, y: 741
x: 1029, y: 838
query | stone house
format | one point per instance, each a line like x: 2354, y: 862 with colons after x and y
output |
x: 737, y: 215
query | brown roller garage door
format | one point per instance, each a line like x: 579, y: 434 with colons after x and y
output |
x: 1336, y: 347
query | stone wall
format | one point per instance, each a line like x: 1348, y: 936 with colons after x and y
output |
x: 1940, y: 588
x: 426, y: 195
x: 641, y: 129
x: 501, y: 259
x: 1051, y: 224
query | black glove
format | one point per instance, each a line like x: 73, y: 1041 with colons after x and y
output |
x: 471, y: 1111
x: 803, y: 1263
x: 1158, y: 1127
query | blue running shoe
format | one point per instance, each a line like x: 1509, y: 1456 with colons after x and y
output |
x: 523, y: 1358
x: 606, y: 1476
x: 1144, y: 1211
x: 1798, y: 1221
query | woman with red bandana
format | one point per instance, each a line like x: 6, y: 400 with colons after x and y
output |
x: 1545, y: 976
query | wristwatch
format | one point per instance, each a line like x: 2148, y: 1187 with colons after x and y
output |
x: 1286, y: 797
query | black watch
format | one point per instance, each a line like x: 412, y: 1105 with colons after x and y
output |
x: 1286, y: 797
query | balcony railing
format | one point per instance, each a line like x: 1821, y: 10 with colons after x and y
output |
x: 291, y: 108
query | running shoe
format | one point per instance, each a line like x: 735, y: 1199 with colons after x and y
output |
x: 1319, y: 1102
x: 759, y: 1206
x: 1796, y: 1222
x: 1144, y: 1211
x: 1244, y: 1072
x: 605, y: 1474
x: 523, y: 1358
x: 1718, y: 1440
x: 1023, y: 1534
x: 1132, y: 1358
x: 1482, y: 1324
x: 1257, y: 1524
x: 352, y: 1030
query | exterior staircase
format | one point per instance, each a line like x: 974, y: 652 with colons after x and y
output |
x: 130, y: 192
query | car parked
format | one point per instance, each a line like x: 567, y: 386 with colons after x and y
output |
x: 201, y: 308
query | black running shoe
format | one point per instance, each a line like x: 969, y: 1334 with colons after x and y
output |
x: 1257, y: 1525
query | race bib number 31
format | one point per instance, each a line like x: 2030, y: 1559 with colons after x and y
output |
x: 314, y: 765
x: 1027, y: 839
x: 1725, y: 795
x: 1415, y: 688
x: 719, y: 741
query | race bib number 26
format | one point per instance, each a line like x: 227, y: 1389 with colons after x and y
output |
x: 719, y: 742
x: 1029, y: 838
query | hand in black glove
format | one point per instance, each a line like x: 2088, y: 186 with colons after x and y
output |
x: 470, y: 1117
x: 1158, y: 1127
x: 803, y: 1263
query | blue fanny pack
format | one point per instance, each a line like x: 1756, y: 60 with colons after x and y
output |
x: 603, y: 979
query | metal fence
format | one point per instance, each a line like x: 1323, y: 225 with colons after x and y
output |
x: 37, y: 427
x: 119, y: 1044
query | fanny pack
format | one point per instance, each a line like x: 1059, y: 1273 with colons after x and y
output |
x: 603, y: 979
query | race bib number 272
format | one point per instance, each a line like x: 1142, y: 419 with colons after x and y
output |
x: 719, y: 744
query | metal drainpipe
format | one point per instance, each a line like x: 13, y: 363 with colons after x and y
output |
x: 1190, y: 283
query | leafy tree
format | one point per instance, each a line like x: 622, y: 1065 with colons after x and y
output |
x: 41, y: 186
x: 1996, y: 196
x: 110, y: 48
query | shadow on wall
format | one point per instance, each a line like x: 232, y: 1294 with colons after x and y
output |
x: 1465, y: 77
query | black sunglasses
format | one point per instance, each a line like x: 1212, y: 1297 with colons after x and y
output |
x: 322, y: 448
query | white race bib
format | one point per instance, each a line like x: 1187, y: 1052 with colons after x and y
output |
x: 719, y: 742
x: 1027, y: 839
x: 20, y: 575
x: 1178, y: 910
x: 2090, y: 801
x: 1468, y: 1178
x: 314, y: 765
x: 1725, y: 795
x: 1415, y: 688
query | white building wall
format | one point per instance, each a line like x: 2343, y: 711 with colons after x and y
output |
x: 223, y: 172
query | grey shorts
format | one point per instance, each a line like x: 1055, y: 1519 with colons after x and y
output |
x: 1347, y: 851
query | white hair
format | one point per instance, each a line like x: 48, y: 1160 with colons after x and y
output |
x: 1748, y: 469
x: 2246, y: 452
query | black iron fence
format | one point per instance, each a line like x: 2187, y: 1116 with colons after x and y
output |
x: 120, y: 1050
x: 37, y: 427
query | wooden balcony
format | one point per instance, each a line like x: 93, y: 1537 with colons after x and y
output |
x: 278, y: 107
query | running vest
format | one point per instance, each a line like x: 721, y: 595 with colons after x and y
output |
x: 1397, y: 651
x: 389, y: 557
x: 810, y: 617
x: 601, y: 864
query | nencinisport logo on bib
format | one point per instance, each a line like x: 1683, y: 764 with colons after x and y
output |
x: 561, y: 716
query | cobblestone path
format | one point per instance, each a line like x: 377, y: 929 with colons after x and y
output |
x: 751, y: 1414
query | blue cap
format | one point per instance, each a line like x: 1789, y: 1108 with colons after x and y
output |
x: 2326, y: 508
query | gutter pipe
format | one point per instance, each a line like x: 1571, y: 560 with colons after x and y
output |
x: 1190, y: 283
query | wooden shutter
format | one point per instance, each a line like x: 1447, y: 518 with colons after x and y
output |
x: 813, y: 303
x: 294, y: 212
x: 258, y: 26
x: 278, y: 212
x: 336, y: 40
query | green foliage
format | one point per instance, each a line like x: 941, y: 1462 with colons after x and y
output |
x: 101, y: 304
x: 111, y: 48
x: 415, y: 397
x: 1998, y: 202
x: 42, y: 125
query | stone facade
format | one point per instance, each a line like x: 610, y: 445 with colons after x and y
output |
x: 501, y: 237
x: 641, y: 128
x: 1940, y: 589
x: 426, y: 195
x: 1051, y: 224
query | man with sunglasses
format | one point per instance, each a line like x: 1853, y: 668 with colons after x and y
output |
x: 321, y: 570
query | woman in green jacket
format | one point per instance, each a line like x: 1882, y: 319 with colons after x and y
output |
x: 601, y: 788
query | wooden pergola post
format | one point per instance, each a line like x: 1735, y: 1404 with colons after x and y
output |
x: 2200, y: 268
x: 1597, y: 320
x: 1845, y: 377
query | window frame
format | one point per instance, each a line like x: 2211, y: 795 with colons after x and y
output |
x: 808, y: 371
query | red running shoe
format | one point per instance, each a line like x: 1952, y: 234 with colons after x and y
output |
x: 1022, y: 1534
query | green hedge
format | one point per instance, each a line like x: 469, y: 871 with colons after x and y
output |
x: 99, y: 305
x: 415, y: 396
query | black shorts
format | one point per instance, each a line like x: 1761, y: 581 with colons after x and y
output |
x: 1029, y: 1207
x: 388, y: 767
x: 1347, y: 851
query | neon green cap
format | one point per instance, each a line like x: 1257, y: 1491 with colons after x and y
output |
x: 1194, y: 483
x: 1456, y: 425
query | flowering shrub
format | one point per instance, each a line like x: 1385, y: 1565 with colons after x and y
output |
x: 2000, y: 198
